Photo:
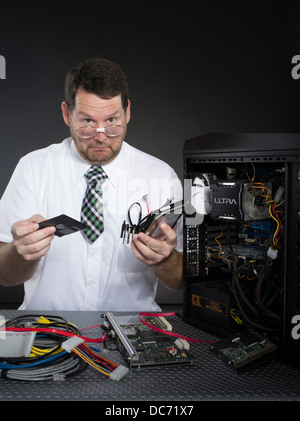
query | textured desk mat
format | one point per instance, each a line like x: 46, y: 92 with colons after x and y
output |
x: 208, y: 379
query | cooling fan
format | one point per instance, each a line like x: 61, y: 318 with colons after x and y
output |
x: 254, y: 202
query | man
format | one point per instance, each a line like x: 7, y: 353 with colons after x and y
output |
x: 74, y: 272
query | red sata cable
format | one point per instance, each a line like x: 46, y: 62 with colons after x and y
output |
x: 166, y: 332
x: 50, y: 330
x: 98, y: 340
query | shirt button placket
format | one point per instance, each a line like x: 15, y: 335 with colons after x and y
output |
x: 92, y: 276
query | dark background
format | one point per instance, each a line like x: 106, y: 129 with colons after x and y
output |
x: 193, y: 67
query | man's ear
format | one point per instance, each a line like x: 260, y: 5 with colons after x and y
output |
x: 65, y: 113
x: 128, y: 113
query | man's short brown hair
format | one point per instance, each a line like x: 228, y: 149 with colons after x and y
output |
x: 99, y: 76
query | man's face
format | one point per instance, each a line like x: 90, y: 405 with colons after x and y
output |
x: 91, y: 110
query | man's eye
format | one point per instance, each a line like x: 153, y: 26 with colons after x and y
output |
x: 88, y: 121
x: 111, y: 120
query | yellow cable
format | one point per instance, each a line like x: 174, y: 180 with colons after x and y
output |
x: 219, y: 255
x: 39, y: 351
x: 90, y: 362
x: 277, y: 229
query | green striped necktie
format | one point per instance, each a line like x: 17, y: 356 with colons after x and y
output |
x: 92, y: 205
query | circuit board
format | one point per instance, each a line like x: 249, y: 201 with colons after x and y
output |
x: 142, y: 346
x: 244, y: 350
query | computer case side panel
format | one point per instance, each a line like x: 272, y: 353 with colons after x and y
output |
x: 242, y: 261
x: 291, y: 291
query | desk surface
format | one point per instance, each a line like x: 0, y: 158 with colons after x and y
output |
x: 208, y: 379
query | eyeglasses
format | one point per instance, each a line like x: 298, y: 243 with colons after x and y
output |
x: 87, y: 132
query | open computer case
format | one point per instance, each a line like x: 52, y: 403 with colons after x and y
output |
x: 242, y: 245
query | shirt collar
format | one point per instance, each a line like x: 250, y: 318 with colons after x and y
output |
x: 111, y: 169
x: 114, y: 167
x: 80, y: 165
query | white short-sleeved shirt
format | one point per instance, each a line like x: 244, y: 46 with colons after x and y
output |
x: 74, y: 274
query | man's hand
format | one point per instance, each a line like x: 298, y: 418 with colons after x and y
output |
x: 152, y: 251
x: 19, y: 259
x: 161, y: 256
x: 30, y: 242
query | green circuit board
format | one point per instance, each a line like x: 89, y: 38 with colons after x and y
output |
x: 244, y: 350
x: 154, y: 348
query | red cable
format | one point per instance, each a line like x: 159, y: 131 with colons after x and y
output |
x: 166, y: 332
x: 49, y: 330
x: 98, y: 340
x: 90, y: 327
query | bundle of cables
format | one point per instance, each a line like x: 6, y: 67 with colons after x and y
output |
x: 58, y: 351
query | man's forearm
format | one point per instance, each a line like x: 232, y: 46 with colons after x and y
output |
x: 170, y: 272
x: 14, y: 269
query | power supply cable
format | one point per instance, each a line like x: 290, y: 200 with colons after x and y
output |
x: 59, y: 351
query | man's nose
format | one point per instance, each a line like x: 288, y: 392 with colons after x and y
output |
x: 100, y: 136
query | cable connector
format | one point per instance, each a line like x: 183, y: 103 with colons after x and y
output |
x: 71, y: 343
x: 272, y: 253
x: 16, y: 344
x: 119, y: 373
x: 182, y: 344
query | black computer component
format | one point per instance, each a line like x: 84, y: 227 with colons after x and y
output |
x: 242, y: 235
x: 244, y: 350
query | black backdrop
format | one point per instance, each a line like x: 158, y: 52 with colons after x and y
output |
x: 193, y: 67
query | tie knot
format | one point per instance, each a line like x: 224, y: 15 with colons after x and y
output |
x: 95, y: 174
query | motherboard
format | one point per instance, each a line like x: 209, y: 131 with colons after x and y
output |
x: 142, y: 346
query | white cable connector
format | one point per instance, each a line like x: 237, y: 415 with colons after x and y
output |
x: 16, y: 344
x: 71, y: 343
x: 272, y: 253
x: 119, y: 373
x: 182, y: 344
x: 279, y: 194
